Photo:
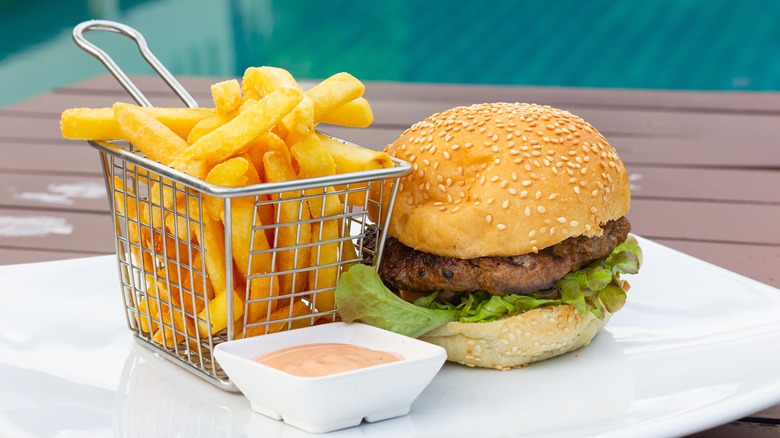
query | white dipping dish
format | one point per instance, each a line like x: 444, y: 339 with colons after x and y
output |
x: 336, y: 401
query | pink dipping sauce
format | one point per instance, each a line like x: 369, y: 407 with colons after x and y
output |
x: 316, y: 360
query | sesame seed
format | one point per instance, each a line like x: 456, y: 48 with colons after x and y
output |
x: 528, y: 211
x: 574, y: 223
x: 504, y: 183
x: 494, y: 179
x: 442, y: 188
x: 524, y: 193
x: 541, y: 209
x: 446, y: 155
x: 488, y: 218
x: 512, y: 191
x: 526, y: 183
x: 505, y: 204
x: 561, y: 220
x: 501, y: 226
x: 490, y: 201
x: 553, y: 196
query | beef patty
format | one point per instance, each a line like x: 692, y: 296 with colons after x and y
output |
x: 404, y: 268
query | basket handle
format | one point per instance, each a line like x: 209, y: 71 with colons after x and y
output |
x: 113, y: 68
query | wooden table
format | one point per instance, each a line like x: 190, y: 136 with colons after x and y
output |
x: 705, y: 170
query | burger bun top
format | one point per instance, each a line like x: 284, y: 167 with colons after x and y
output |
x: 502, y: 179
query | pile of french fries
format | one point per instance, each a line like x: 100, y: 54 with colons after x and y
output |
x: 284, y: 250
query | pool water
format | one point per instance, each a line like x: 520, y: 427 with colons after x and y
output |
x: 653, y: 44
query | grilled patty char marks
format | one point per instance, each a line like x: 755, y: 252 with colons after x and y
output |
x: 403, y: 268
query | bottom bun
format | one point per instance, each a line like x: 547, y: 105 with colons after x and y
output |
x: 515, y: 341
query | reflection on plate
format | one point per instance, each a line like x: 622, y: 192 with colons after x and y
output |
x: 695, y: 346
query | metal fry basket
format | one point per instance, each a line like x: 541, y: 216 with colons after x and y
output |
x: 184, y: 286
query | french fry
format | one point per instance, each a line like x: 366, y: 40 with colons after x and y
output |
x: 348, y: 159
x: 315, y: 161
x: 333, y: 93
x: 288, y: 236
x: 216, y: 312
x: 148, y: 316
x: 172, y: 316
x: 152, y: 137
x: 349, y: 255
x: 355, y: 114
x: 260, y: 81
x: 234, y: 136
x: 267, y: 143
x: 209, y: 124
x: 186, y: 285
x: 300, y: 122
x: 251, y: 250
x: 214, y: 254
x: 297, y: 309
x: 101, y: 124
x: 226, y: 95
x: 137, y: 225
x: 323, y: 279
x: 230, y: 173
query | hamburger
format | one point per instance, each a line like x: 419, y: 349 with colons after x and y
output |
x: 507, y: 241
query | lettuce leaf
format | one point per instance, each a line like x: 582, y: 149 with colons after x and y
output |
x: 361, y: 296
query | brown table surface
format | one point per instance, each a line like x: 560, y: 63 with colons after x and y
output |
x: 705, y: 170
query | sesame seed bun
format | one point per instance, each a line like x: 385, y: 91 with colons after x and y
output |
x: 518, y: 340
x: 501, y: 179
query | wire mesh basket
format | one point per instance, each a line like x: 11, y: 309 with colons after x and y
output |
x: 201, y: 264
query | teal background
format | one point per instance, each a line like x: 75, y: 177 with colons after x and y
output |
x: 650, y: 44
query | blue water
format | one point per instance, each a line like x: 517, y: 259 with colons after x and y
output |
x: 652, y: 44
